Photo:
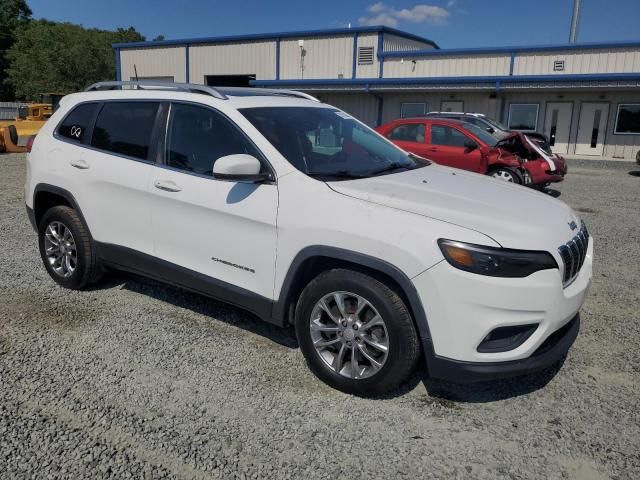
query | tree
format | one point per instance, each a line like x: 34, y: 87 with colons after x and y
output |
x: 159, y: 38
x: 62, y: 57
x: 14, y: 14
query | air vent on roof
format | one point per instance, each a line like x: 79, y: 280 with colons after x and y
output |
x: 365, y: 55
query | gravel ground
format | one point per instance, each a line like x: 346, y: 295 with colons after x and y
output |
x: 133, y: 379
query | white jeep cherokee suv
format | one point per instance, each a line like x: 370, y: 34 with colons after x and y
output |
x: 299, y: 213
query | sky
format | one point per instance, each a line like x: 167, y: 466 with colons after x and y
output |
x: 450, y: 23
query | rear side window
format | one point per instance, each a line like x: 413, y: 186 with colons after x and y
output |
x: 125, y: 128
x: 76, y: 125
x: 199, y: 136
x: 409, y: 132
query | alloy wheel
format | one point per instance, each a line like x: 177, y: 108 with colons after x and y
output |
x: 60, y: 249
x: 349, y: 335
x: 505, y: 175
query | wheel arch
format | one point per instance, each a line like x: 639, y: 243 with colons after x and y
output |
x: 313, y: 260
x: 46, y: 196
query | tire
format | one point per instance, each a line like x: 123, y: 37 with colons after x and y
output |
x: 638, y: 157
x: 13, y: 134
x: 86, y: 268
x: 397, y: 332
x: 506, y: 174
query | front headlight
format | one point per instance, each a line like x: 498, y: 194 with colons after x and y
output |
x: 495, y: 262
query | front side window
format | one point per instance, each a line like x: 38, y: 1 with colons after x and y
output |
x: 76, y: 124
x: 523, y: 117
x: 628, y: 119
x: 198, y: 136
x: 411, y: 109
x: 324, y: 142
x: 448, y: 136
x: 125, y: 128
x: 408, y: 132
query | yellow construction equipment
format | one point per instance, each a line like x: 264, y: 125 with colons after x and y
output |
x: 28, y: 121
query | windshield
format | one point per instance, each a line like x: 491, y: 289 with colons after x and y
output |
x: 482, y: 134
x: 323, y: 142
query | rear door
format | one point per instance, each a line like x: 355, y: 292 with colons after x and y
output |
x: 410, y: 136
x: 111, y: 170
x: 450, y: 146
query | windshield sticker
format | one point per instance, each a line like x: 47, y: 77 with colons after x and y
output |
x: 346, y: 116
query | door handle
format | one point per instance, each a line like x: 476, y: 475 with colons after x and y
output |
x: 167, y: 186
x: 81, y: 164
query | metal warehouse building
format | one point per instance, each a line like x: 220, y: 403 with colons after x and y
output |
x: 586, y: 97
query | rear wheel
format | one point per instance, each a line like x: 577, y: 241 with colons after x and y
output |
x: 506, y: 174
x: 66, y: 248
x: 356, y: 333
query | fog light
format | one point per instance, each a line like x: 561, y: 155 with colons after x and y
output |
x: 503, y: 339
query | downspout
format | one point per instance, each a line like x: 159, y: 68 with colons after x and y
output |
x: 380, y: 104
x: 116, y: 52
x: 186, y: 63
x: 278, y: 58
x: 379, y: 55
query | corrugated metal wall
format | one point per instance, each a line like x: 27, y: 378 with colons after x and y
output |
x: 575, y: 62
x: 394, y: 43
x: 368, y: 71
x: 154, y: 62
x: 246, y: 58
x: 363, y: 106
x: 449, y: 66
x: 8, y: 110
x: 326, y: 57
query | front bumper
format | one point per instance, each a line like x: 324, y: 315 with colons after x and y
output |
x: 541, y: 174
x: 463, y: 308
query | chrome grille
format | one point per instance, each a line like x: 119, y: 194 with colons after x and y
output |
x: 573, y: 254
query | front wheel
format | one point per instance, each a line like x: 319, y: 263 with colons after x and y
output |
x: 356, y: 333
x: 506, y: 174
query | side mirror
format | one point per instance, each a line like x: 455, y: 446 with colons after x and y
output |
x: 239, y: 168
x: 491, y: 130
x: 470, y: 146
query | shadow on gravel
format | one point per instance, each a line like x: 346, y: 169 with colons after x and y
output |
x: 491, y: 391
x: 198, y: 304
x: 552, y: 192
x: 635, y: 173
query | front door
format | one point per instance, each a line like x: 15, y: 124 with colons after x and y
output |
x: 223, y: 230
x: 592, y: 127
x: 557, y: 125
x: 452, y: 106
x: 449, y: 146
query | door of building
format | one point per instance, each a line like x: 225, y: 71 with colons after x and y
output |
x: 557, y: 125
x: 592, y: 127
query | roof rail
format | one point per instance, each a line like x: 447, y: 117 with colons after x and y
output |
x: 152, y: 85
x: 296, y: 93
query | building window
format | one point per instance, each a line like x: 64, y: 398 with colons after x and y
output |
x: 365, y: 55
x: 523, y: 116
x: 409, y: 109
x: 628, y: 119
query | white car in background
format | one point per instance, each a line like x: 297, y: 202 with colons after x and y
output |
x: 297, y: 212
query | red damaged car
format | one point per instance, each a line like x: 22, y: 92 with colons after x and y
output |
x: 516, y: 158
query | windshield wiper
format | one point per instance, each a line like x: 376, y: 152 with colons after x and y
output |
x: 338, y: 174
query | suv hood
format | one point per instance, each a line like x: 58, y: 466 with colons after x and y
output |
x: 512, y: 215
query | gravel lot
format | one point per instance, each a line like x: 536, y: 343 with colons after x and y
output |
x: 138, y: 380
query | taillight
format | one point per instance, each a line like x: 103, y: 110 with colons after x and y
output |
x: 30, y: 141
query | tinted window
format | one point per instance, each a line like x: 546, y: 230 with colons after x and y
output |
x: 408, y: 109
x: 523, y: 116
x: 76, y: 124
x: 199, y: 136
x: 628, y: 119
x: 409, y: 132
x: 125, y: 128
x: 444, y: 135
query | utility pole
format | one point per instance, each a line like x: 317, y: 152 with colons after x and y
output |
x: 575, y: 21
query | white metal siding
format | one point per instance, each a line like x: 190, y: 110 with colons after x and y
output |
x: 576, y: 62
x: 246, y: 58
x: 394, y: 43
x: 449, y: 66
x: 362, y: 106
x: 326, y: 57
x: 154, y: 62
x: 368, y: 71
